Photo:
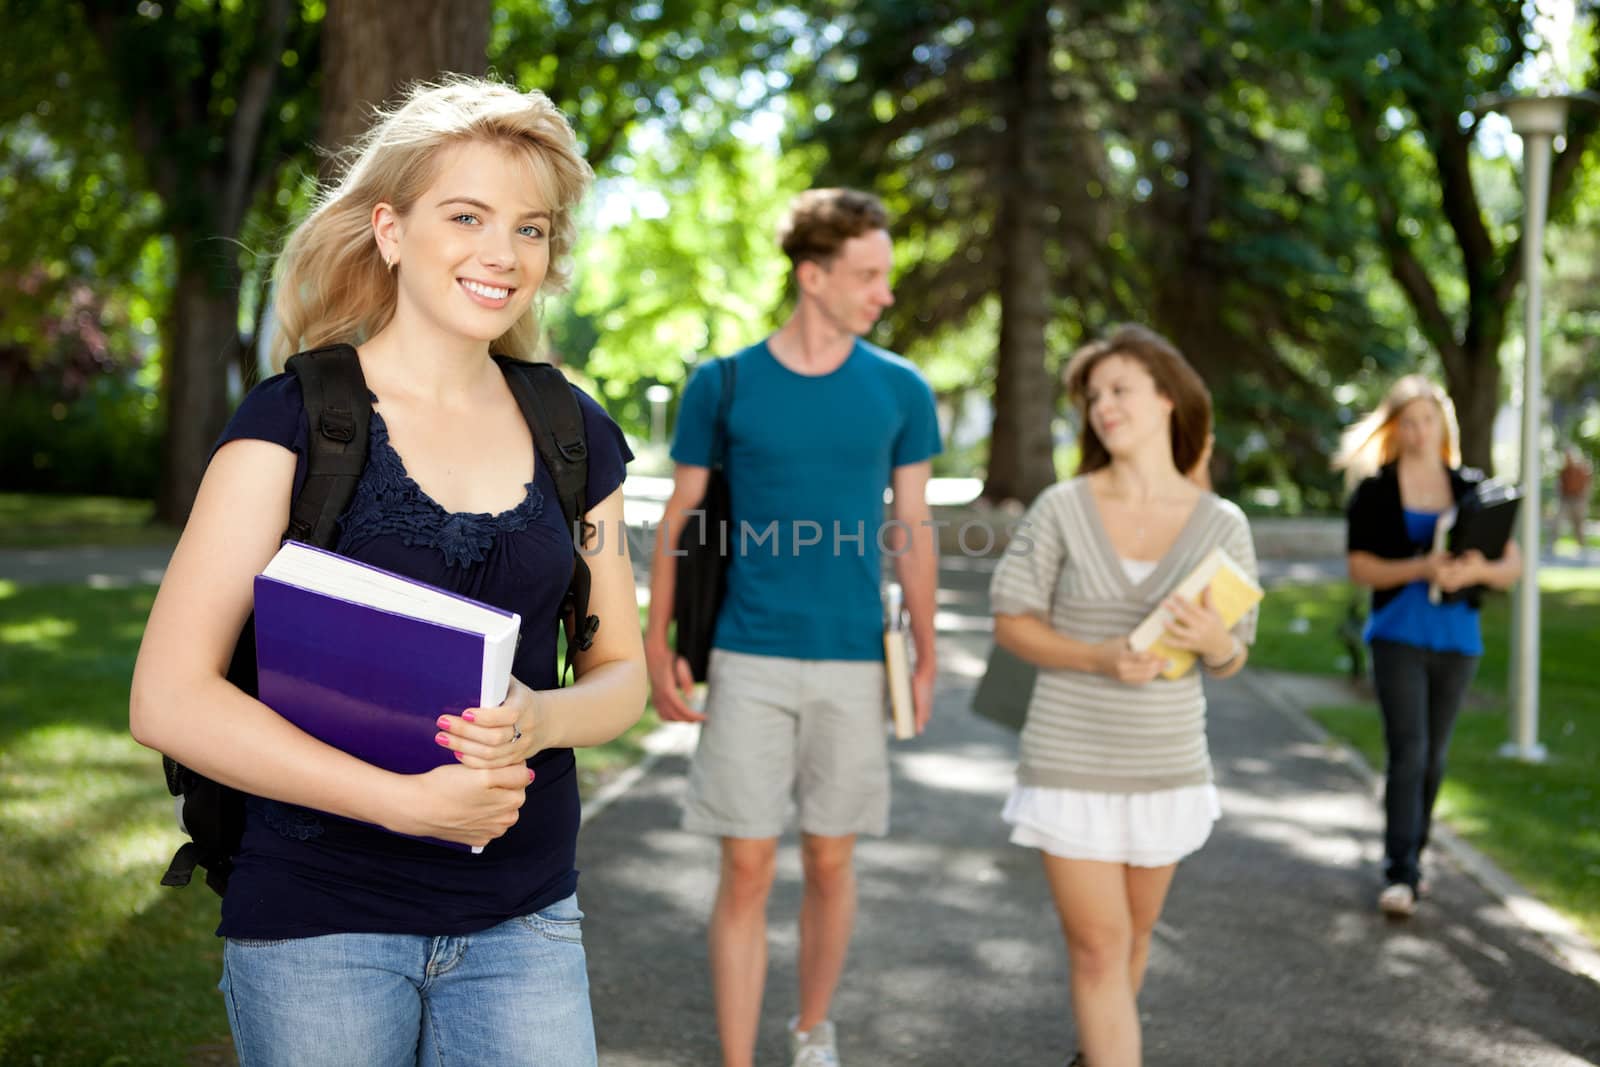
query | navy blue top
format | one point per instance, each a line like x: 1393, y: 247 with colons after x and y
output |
x: 1410, y: 618
x: 809, y: 458
x: 300, y: 872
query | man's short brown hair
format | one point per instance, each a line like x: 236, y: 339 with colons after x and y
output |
x: 820, y: 221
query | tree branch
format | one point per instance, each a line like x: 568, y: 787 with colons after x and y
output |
x: 1407, y: 269
x: 1452, y: 152
x: 254, y: 96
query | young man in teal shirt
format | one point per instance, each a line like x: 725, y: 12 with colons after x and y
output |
x: 821, y: 423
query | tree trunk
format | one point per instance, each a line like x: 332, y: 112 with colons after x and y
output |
x: 203, y: 338
x: 1021, y: 463
x: 1474, y: 387
x: 373, y: 47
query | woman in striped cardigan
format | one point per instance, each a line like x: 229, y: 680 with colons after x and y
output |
x: 1114, y: 784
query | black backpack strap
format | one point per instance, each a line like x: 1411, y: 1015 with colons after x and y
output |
x: 338, y: 411
x: 719, y: 435
x: 556, y: 422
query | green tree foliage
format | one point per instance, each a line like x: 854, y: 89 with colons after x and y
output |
x: 1240, y: 244
x: 677, y: 257
x: 958, y: 115
x: 1403, y: 80
x: 184, y: 113
x: 65, y: 230
x: 615, y: 66
x: 693, y: 272
x: 1078, y: 163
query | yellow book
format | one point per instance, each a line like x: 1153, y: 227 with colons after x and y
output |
x: 1233, y: 592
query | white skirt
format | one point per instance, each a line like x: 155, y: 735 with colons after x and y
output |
x: 1139, y: 829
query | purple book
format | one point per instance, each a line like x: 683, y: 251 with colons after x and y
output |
x: 367, y: 660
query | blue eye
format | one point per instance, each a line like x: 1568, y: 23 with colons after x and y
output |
x: 470, y: 219
x: 531, y: 231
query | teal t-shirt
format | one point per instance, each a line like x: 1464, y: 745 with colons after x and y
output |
x: 809, y: 459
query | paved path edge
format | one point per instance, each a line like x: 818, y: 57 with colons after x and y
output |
x: 1570, y: 945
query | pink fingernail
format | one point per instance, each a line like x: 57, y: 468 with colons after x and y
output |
x: 457, y: 755
x: 530, y: 774
x: 443, y: 723
x: 469, y: 716
x: 442, y: 739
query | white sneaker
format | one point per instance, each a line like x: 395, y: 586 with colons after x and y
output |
x: 814, y: 1048
x: 1398, y: 901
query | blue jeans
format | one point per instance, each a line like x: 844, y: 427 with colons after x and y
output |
x: 1419, y: 692
x: 514, y: 994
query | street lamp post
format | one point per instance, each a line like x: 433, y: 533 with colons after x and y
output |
x: 658, y: 395
x: 1537, y: 120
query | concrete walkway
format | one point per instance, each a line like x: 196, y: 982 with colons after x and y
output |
x: 1270, y: 951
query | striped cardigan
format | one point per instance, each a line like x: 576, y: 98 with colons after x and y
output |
x: 1087, y: 731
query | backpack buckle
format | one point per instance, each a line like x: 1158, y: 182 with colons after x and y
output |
x: 338, y: 425
x: 574, y: 451
x: 584, y: 639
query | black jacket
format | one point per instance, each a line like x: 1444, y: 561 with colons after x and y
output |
x: 1375, y: 522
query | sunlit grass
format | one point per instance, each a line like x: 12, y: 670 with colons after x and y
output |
x: 99, y: 963
x: 1540, y: 822
x: 43, y: 520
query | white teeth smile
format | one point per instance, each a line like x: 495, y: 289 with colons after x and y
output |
x: 489, y: 292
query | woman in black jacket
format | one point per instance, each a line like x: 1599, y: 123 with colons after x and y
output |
x: 1425, y: 648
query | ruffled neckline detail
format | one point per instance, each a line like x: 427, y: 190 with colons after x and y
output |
x: 389, y: 502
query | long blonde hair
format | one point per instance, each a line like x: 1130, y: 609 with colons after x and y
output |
x: 1373, y: 442
x: 331, y: 282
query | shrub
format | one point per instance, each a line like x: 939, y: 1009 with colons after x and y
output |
x: 106, y: 442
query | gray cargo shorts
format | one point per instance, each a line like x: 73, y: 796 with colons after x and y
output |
x: 778, y: 729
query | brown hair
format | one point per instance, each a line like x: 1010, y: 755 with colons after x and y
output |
x: 1175, y: 379
x: 1372, y: 442
x: 820, y: 221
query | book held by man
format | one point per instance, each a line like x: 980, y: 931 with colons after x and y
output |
x: 367, y: 660
x: 1233, y: 592
x: 897, y: 667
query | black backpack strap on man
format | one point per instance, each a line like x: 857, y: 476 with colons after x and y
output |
x: 338, y: 409
x: 703, y: 551
x: 551, y: 410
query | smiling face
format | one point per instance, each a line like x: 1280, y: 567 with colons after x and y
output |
x: 852, y: 289
x: 473, y: 250
x: 1125, y: 409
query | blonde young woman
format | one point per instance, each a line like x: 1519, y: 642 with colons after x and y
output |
x: 345, y: 943
x: 1114, y: 785
x: 1404, y: 462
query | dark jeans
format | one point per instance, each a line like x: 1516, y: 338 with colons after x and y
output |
x: 1419, y: 693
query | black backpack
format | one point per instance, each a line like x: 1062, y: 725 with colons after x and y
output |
x: 338, y: 412
x: 704, y: 554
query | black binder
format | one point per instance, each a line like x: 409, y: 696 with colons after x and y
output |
x: 1483, y: 520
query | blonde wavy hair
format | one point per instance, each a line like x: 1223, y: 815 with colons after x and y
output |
x: 1373, y: 442
x: 331, y: 282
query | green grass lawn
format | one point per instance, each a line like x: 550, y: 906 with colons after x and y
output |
x: 39, y: 520
x: 1539, y: 822
x: 98, y: 963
